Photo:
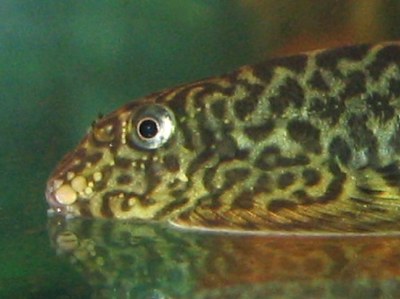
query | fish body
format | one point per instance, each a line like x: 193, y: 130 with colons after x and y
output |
x: 309, y: 142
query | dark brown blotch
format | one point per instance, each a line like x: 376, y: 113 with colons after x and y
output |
x: 329, y: 59
x: 94, y: 158
x: 305, y: 134
x: 209, y: 88
x: 152, y: 175
x: 295, y: 63
x: 80, y: 153
x: 369, y: 190
x: 386, y: 56
x: 242, y: 154
x: 298, y: 160
x: 171, y: 163
x: 278, y: 204
x: 179, y: 100
x: 268, y: 158
x: 381, y: 107
x: 264, y: 70
x: 199, y: 161
x: 290, y: 93
x: 254, y: 91
x: 311, y: 177
x: 271, y: 157
x: 318, y: 82
x: 390, y: 173
x: 105, y: 208
x: 123, y: 163
x: 355, y: 85
x: 245, y: 200
x: 260, y: 132
x: 339, y: 148
x: 285, y: 180
x: 178, y: 193
x: 233, y: 176
x: 211, y: 201
x: 264, y: 184
x: 330, y: 108
x: 302, y: 197
x: 394, y: 87
x: 334, y: 168
x: 333, y: 191
x: 293, y: 91
x: 145, y: 201
x: 218, y: 108
x: 124, y: 179
x: 84, y: 210
x: 125, y: 205
x: 78, y: 168
x: 172, y: 207
x: 244, y: 107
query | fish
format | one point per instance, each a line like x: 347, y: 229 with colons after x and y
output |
x: 307, y: 143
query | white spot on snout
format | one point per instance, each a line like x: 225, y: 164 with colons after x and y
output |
x: 97, y: 176
x: 79, y: 183
x: 65, y: 195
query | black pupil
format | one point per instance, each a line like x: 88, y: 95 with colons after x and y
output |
x: 148, y: 128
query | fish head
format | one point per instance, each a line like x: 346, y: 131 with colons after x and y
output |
x: 131, y: 164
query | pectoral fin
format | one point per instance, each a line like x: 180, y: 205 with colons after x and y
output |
x: 365, y: 200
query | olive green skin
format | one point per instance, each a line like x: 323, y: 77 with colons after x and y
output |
x: 305, y: 143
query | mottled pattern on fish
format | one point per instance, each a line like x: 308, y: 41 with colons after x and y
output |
x: 129, y: 260
x: 309, y: 142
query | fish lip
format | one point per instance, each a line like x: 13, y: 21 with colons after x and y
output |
x: 54, y: 205
x: 57, y: 174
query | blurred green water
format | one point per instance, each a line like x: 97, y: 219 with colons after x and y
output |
x: 63, y: 63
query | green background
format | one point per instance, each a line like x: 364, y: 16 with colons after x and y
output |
x: 64, y: 62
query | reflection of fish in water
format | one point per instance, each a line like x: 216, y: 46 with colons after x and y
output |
x: 118, y: 259
x: 304, y: 143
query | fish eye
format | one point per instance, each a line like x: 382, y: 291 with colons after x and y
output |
x: 152, y: 126
x: 147, y: 128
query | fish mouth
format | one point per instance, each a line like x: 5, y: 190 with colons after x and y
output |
x: 61, y: 198
x: 55, y: 207
x: 64, y: 186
